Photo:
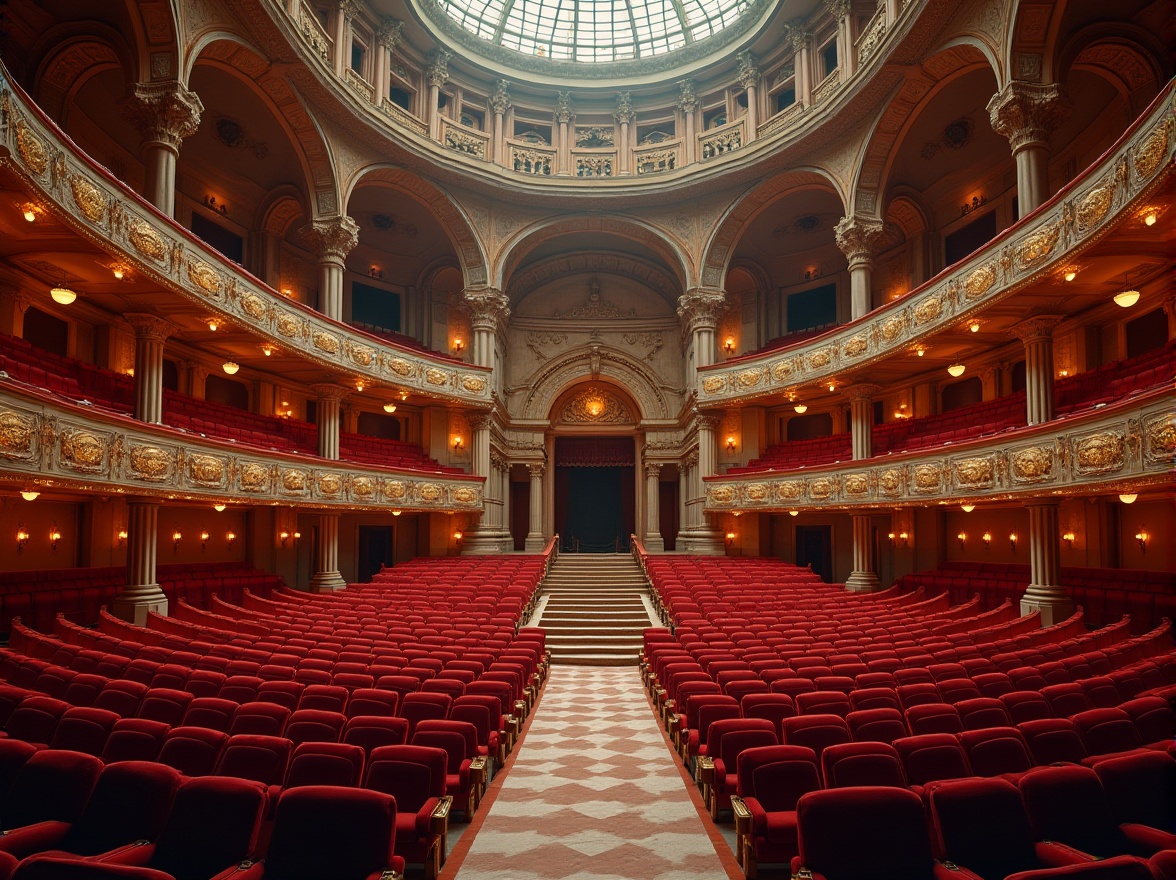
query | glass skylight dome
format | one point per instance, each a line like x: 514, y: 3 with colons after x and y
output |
x: 594, y: 30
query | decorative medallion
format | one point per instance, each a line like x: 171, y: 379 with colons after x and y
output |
x: 394, y: 489
x: 1160, y: 435
x: 890, y: 481
x: 1148, y: 155
x: 820, y: 359
x: 974, y: 473
x: 891, y: 328
x: 781, y: 370
x: 255, y: 477
x: 206, y: 278
x: 363, y: 487
x: 1099, y: 453
x: 789, y: 490
x: 473, y: 384
x: 721, y: 494
x: 713, y: 384
x: 751, y: 378
x: 928, y: 478
x: 150, y: 463
x: 465, y: 495
x: 399, y: 366
x: 820, y: 488
x: 755, y: 492
x: 330, y: 484
x: 253, y: 305
x: 856, y: 484
x: 362, y: 355
x: 89, y: 199
x: 206, y: 470
x: 16, y: 435
x: 429, y: 492
x: 856, y: 346
x: 1094, y: 206
x: 979, y: 280
x: 1037, y: 246
x: 324, y: 341
x: 436, y: 377
x: 929, y: 309
x: 1032, y: 465
x: 596, y: 405
x: 289, y: 325
x: 32, y: 148
x: 146, y: 240
x: 294, y: 480
x: 82, y: 450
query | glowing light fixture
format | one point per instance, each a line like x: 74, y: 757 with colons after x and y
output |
x: 1013, y: 541
x: 458, y: 443
x: 284, y: 536
x: 63, y: 296
x: 794, y: 513
x: 267, y: 349
x: 974, y: 326
x: 54, y: 537
x: 1127, y: 298
x: 230, y: 367
x: 1069, y: 538
x: 389, y: 407
x: 987, y: 539
x: 967, y: 508
x: 213, y: 324
x: 204, y: 536
x: 1149, y: 217
x: 458, y: 345
x: 1128, y: 497
x: 962, y: 537
x: 397, y: 512
x: 122, y: 537
x: 956, y: 370
x: 29, y: 210
x: 729, y: 345
x: 177, y: 536
x: 231, y: 537
x: 1070, y: 274
x: 801, y: 408
x: 29, y: 494
x: 731, y: 444
x: 22, y: 538
x: 219, y: 506
x: 1142, y: 537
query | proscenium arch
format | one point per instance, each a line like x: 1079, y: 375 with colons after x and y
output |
x: 674, y: 254
x: 556, y: 376
x: 744, y: 210
x: 570, y: 391
x: 449, y: 215
x: 233, y: 55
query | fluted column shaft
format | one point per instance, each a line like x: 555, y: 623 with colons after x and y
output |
x: 150, y: 334
x: 327, y: 576
x: 1025, y: 113
x: 653, y: 536
x: 536, y: 533
x: 1037, y: 335
x: 165, y: 113
x: 142, y: 593
x: 862, y: 579
x: 1045, y: 592
x: 327, y: 416
x: 332, y: 240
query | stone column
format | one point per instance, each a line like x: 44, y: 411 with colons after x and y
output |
x: 653, y: 535
x: 858, y: 238
x: 861, y: 418
x: 1045, y: 592
x: 699, y: 310
x: 688, y: 104
x: 1037, y: 334
x: 701, y: 536
x: 165, y: 113
x: 1025, y: 113
x: 624, y: 116
x: 536, y: 532
x: 327, y: 577
x: 862, y: 579
x: 749, y: 77
x: 489, y: 310
x: 141, y: 593
x: 493, y: 493
x: 683, y: 493
x: 565, y: 118
x: 436, y: 75
x: 151, y: 332
x: 327, y: 416
x: 499, y: 103
x: 486, y: 536
x: 841, y: 10
x: 331, y: 240
x: 388, y: 37
x: 347, y: 11
x: 802, y: 39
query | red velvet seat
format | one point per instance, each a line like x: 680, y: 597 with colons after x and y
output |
x: 210, y: 712
x: 1106, y: 731
x: 261, y: 719
x: 932, y: 757
x: 874, y: 698
x: 876, y: 725
x: 862, y: 763
x: 47, y: 794
x: 321, y: 763
x: 1053, y: 741
x: 771, y: 780
x: 134, y: 739
x: 933, y: 718
x: 727, y: 738
x: 1141, y: 789
x: 372, y: 701
x: 415, y: 776
x: 194, y: 751
x: 82, y: 729
x: 983, y: 712
x: 35, y: 719
x: 462, y: 783
x: 165, y: 704
x: 1026, y: 706
x: 816, y: 732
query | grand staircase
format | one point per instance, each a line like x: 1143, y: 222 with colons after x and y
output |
x: 594, y: 614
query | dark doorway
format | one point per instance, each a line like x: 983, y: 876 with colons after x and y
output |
x: 668, y: 513
x: 520, y: 513
x: 814, y: 547
x: 595, y: 498
x: 376, y: 549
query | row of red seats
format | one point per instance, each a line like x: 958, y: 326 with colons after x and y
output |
x: 69, y: 816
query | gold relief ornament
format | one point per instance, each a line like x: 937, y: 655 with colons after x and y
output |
x: 890, y: 481
x: 31, y: 148
x: 82, y: 450
x: 856, y: 484
x: 928, y: 478
x: 1032, y: 465
x: 1094, y: 206
x: 255, y: 477
x: 1160, y: 433
x: 330, y: 484
x: 395, y: 489
x: 1099, y: 453
x: 429, y: 492
x: 751, y: 378
x: 294, y: 480
x: 856, y: 345
x: 362, y: 355
x: 89, y: 199
x: 473, y: 384
x: 781, y: 370
x: 821, y: 488
x: 928, y: 310
x: 789, y: 490
x: 465, y: 495
x: 400, y: 366
x: 819, y: 359
x: 974, y: 472
x: 436, y: 377
x: 713, y: 384
x: 206, y: 470
x: 289, y: 325
x: 1150, y: 152
x: 363, y: 487
x: 595, y: 405
x: 146, y: 240
x: 979, y: 280
x: 253, y: 306
x: 755, y: 492
x: 16, y: 435
x: 721, y: 494
x: 1037, y: 246
x: 324, y: 341
x: 150, y: 463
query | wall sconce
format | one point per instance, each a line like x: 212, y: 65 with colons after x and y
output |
x: 962, y: 537
x: 458, y: 443
x: 212, y: 204
x: 360, y: 385
x: 987, y: 539
x: 177, y: 536
x: 974, y: 327
x: 54, y: 537
x: 204, y: 536
x: 832, y: 386
x: 1069, y: 537
x: 29, y: 494
x: 1013, y: 541
x: 731, y: 443
x: 285, y: 536
x: 1142, y: 537
x: 213, y: 323
x: 891, y: 537
x: 267, y: 349
x: 22, y: 538
x: 375, y: 272
x: 30, y: 211
x: 729, y: 345
x: 122, y: 537
x: 730, y: 538
x: 457, y: 536
x: 458, y: 346
x: 231, y: 537
x: 297, y: 537
x: 905, y: 536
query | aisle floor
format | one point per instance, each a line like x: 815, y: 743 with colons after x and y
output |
x: 594, y: 793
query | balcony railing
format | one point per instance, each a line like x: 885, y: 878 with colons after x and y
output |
x: 722, y: 140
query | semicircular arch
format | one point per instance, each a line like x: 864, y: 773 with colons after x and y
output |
x: 575, y: 366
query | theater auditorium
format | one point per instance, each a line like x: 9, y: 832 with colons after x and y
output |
x: 587, y: 439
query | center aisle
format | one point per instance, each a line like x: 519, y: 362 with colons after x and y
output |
x: 594, y: 794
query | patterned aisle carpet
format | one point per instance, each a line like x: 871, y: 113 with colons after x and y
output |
x: 594, y: 793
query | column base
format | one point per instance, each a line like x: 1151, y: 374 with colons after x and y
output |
x: 483, y: 542
x: 534, y: 543
x: 327, y: 582
x: 654, y: 544
x: 702, y: 542
x: 133, y: 603
x: 1054, y: 603
x: 862, y: 582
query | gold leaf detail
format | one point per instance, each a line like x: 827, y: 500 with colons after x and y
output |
x: 362, y: 487
x: 16, y: 435
x: 756, y: 492
x: 750, y: 378
x: 974, y: 472
x: 819, y: 359
x: 1150, y: 152
x: 890, y: 481
x: 146, y: 240
x: 721, y: 494
x: 294, y: 480
x: 927, y: 477
x: 1037, y: 246
x: 400, y: 367
x: 82, y: 449
x: 206, y: 470
x: 928, y: 310
x: 713, y: 384
x: 330, y: 484
x: 781, y: 370
x: 436, y: 377
x: 254, y: 477
x: 979, y: 280
x: 89, y: 199
x: 32, y: 148
x: 790, y: 490
x: 205, y: 277
x: 856, y: 345
x: 324, y: 341
x: 150, y: 463
x: 473, y: 384
x: 1100, y: 452
x: 289, y: 325
x: 856, y: 484
x: 1094, y: 206
x: 465, y: 495
x: 253, y: 305
x: 820, y: 488
x: 429, y: 492
x: 362, y: 355
x: 394, y: 489
x: 1033, y: 464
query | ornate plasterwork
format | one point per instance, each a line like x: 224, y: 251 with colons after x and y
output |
x: 121, y: 223
x: 78, y: 449
x: 594, y: 307
x: 1132, y: 445
x: 595, y: 405
x: 858, y: 238
x: 701, y: 309
x: 1026, y: 112
x: 164, y: 112
x: 572, y: 367
x: 332, y: 238
x: 487, y: 307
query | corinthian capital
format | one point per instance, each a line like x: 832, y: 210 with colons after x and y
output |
x: 861, y: 391
x: 437, y: 73
x: 151, y: 327
x: 858, y: 237
x: 1036, y: 327
x: 164, y: 112
x: 330, y: 391
x: 624, y: 114
x: 487, y: 307
x: 564, y: 111
x: 1026, y: 112
x: 390, y: 34
x: 699, y: 309
x: 749, y: 72
x: 332, y: 239
x: 687, y: 97
x: 500, y: 99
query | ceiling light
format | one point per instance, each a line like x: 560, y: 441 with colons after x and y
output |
x: 219, y: 506
x: 1128, y: 497
x: 1126, y: 298
x: 967, y: 508
x: 920, y: 351
x: 267, y: 350
x: 213, y: 324
x: 1149, y: 218
x: 974, y: 327
x: 1070, y: 274
x: 230, y: 367
x: 359, y: 385
x: 832, y: 386
x: 801, y: 407
x: 389, y: 407
x: 956, y: 370
x: 794, y: 513
x: 63, y: 295
x: 29, y: 494
x: 30, y: 212
x: 397, y: 512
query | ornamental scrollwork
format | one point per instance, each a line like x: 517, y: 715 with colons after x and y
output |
x: 1099, y: 453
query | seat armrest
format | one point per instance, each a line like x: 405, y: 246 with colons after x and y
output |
x: 946, y: 870
x: 1058, y: 855
x: 245, y: 870
x: 137, y: 854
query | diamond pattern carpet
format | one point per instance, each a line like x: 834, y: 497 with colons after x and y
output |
x: 594, y: 793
